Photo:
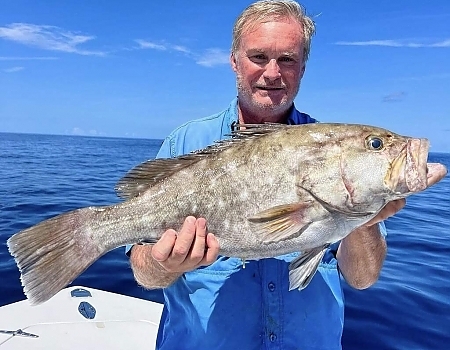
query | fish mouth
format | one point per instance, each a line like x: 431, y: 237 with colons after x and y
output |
x: 416, y: 164
x: 410, y: 171
x: 435, y: 173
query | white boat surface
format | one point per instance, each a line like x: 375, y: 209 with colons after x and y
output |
x: 80, y: 318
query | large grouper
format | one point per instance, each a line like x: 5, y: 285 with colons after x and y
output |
x: 269, y: 190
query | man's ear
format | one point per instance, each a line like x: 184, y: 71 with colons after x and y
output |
x: 303, y: 70
x: 233, y: 62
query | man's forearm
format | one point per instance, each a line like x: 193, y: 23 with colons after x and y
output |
x: 361, y: 255
x: 148, y: 272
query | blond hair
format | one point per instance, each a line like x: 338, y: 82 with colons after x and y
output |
x: 264, y: 10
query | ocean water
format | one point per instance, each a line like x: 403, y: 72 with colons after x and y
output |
x: 408, y: 308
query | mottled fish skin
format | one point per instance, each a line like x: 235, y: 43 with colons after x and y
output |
x: 273, y: 189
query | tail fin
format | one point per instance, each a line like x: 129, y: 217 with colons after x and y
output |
x: 51, y: 254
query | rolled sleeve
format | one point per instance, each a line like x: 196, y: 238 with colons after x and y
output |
x: 383, y: 230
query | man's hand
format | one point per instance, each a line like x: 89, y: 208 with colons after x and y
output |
x: 361, y: 254
x: 389, y: 210
x: 191, y: 248
x: 160, y: 265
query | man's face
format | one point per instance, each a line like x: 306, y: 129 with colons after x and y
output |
x: 269, y: 65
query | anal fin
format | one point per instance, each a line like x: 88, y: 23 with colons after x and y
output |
x: 303, y: 268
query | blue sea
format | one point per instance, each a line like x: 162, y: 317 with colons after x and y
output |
x: 408, y: 308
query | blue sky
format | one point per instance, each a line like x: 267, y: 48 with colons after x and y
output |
x: 141, y: 68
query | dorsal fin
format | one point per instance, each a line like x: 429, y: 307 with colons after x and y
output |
x: 145, y: 175
x: 254, y: 130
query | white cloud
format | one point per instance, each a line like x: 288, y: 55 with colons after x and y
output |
x: 370, y: 43
x: 394, y: 97
x: 48, y: 38
x: 13, y: 58
x: 425, y: 77
x: 13, y: 69
x: 144, y: 44
x: 77, y: 131
x: 213, y: 57
x: 394, y: 43
x: 208, y: 58
x: 81, y: 132
x: 181, y: 49
x: 445, y: 43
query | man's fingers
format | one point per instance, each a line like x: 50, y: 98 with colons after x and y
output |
x: 390, y: 209
x: 212, y: 250
x: 198, y: 248
x: 190, y: 248
x: 398, y: 205
x: 163, y: 248
x: 184, y: 240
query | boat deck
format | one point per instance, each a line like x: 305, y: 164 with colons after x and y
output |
x: 74, y: 320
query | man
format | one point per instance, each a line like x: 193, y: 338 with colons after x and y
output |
x: 213, y: 302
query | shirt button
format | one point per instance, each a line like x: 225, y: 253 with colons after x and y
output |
x: 272, y: 337
x: 271, y: 286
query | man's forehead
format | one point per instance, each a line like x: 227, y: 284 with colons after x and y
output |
x: 290, y: 52
x: 253, y: 25
x: 291, y: 42
x: 293, y: 30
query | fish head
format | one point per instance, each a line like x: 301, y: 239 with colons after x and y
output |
x: 357, y: 169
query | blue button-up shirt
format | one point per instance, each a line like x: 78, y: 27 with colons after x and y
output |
x: 227, y: 306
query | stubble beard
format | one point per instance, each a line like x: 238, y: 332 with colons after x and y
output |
x: 264, y: 111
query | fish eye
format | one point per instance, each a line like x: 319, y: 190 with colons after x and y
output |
x: 374, y: 143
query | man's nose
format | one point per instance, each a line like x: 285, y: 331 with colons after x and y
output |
x: 272, y: 71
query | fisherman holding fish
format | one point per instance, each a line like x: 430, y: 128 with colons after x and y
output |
x: 291, y: 209
x: 217, y: 302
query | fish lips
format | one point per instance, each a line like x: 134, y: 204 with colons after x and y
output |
x: 419, y: 174
x: 416, y: 164
x: 435, y: 173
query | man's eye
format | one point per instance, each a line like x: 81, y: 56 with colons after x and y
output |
x: 258, y: 58
x: 286, y: 60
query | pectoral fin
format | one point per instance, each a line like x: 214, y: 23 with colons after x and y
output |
x: 281, y: 222
x: 304, y: 267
